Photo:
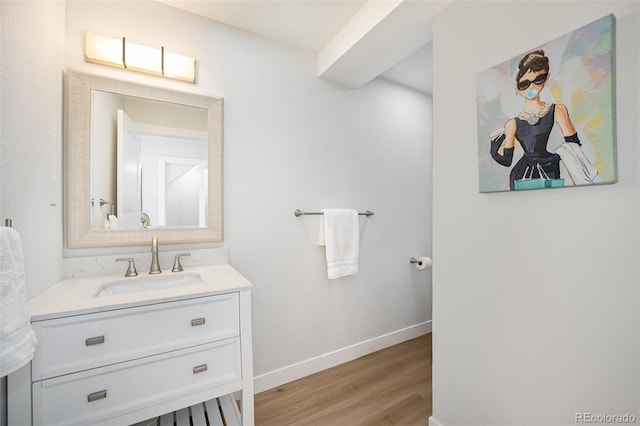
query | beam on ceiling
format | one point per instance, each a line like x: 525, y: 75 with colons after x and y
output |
x: 379, y: 36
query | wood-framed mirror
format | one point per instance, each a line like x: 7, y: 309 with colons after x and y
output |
x: 141, y: 161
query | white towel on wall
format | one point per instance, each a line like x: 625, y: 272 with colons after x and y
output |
x: 17, y: 339
x: 340, y: 234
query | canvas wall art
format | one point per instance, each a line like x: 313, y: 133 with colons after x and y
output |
x: 546, y: 117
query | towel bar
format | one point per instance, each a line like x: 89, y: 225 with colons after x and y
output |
x: 298, y: 213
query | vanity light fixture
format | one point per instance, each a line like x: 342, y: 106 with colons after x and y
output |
x: 103, y: 50
x: 121, y: 53
x: 138, y: 57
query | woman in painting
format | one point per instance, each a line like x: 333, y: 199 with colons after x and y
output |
x: 533, y: 125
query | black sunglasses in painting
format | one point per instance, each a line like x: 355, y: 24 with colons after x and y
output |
x: 524, y: 84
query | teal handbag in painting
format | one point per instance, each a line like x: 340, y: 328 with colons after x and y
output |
x: 528, y: 182
x: 554, y: 183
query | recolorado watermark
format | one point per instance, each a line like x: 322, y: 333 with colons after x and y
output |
x: 590, y: 418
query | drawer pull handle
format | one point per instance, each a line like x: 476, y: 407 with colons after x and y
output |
x: 200, y: 368
x: 94, y: 396
x: 197, y: 321
x: 94, y: 340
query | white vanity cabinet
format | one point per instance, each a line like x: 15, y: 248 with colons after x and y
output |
x: 125, y: 363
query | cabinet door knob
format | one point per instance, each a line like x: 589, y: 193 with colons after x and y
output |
x: 94, y: 396
x: 197, y: 321
x: 200, y: 368
x: 94, y: 340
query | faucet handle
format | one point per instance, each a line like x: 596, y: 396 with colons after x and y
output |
x: 177, y: 266
x: 131, y: 270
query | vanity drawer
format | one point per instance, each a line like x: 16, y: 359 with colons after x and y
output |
x: 72, y: 344
x: 93, y: 397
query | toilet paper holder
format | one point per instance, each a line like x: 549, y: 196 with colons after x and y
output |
x: 421, y: 262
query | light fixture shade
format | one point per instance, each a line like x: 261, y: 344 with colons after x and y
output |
x: 142, y: 58
x: 179, y: 67
x: 103, y: 50
x: 118, y: 52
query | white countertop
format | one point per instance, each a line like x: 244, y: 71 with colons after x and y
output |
x: 76, y: 296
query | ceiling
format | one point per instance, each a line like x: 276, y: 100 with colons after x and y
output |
x: 305, y: 23
x: 354, y: 40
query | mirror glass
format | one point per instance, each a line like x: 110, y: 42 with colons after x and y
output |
x: 148, y: 163
x: 141, y: 160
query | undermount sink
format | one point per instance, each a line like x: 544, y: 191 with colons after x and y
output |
x: 148, y: 283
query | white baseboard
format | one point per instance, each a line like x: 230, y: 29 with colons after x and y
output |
x: 434, y: 422
x: 301, y: 369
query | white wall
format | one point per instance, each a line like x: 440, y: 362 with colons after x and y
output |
x: 291, y: 141
x: 30, y: 134
x: 536, y: 300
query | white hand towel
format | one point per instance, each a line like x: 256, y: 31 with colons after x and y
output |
x: 17, y: 339
x: 340, y: 234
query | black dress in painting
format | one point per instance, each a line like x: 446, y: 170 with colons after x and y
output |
x: 533, y: 139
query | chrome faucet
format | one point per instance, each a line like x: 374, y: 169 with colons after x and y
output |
x: 155, y: 265
x: 131, y: 270
x: 177, y: 265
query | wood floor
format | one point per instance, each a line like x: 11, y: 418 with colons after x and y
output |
x: 388, y: 387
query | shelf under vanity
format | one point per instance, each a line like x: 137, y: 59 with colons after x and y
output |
x: 221, y: 411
